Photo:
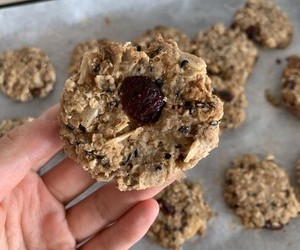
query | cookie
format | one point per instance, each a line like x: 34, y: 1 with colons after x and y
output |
x: 139, y: 116
x: 290, y: 91
x: 234, y: 100
x: 26, y: 73
x: 298, y: 171
x: 80, y: 49
x: 182, y: 39
x: 260, y: 193
x: 183, y: 214
x: 9, y: 124
x: 228, y: 53
x: 264, y: 23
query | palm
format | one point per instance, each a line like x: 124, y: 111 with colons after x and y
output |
x: 34, y: 218
x: 32, y: 208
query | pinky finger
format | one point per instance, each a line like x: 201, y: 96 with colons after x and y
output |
x: 129, y: 229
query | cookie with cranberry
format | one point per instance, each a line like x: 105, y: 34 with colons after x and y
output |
x: 182, y: 39
x: 264, y: 23
x: 80, y: 49
x: 183, y: 214
x: 26, y: 73
x: 139, y: 116
x: 291, y: 85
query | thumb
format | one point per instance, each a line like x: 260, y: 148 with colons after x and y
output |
x: 28, y: 147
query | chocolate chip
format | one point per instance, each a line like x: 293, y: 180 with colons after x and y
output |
x: 184, y: 129
x: 82, y: 128
x: 136, y: 153
x: 96, y: 68
x: 183, y: 63
x: 253, y: 32
x: 166, y: 207
x: 225, y: 95
x: 158, y: 167
x: 36, y: 92
x: 141, y: 99
x: 290, y: 84
x: 139, y: 48
x: 168, y: 156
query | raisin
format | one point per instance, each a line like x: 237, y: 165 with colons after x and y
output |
x: 168, y: 156
x: 253, y: 32
x: 166, y: 207
x: 82, y: 128
x: 214, y: 123
x: 159, y: 82
x: 225, y: 95
x: 270, y: 225
x: 136, y: 153
x: 96, y: 68
x: 184, y: 63
x: 158, y: 167
x: 290, y: 84
x: 141, y: 99
x: 139, y: 48
x: 36, y: 92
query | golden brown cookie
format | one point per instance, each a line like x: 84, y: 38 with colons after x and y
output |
x: 139, y: 116
x: 26, y: 73
x: 9, y: 124
x: 182, y: 39
x: 183, y: 213
x: 264, y: 23
x: 291, y: 85
x: 260, y: 193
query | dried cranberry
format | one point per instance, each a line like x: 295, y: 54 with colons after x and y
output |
x: 166, y: 207
x: 225, y: 95
x: 253, y: 32
x: 290, y: 84
x: 141, y: 98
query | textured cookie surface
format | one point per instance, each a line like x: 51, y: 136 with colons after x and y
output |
x: 139, y: 116
x: 260, y: 193
x: 26, y: 73
x: 80, y: 49
x: 182, y: 39
x: 228, y: 53
x: 298, y: 171
x: 264, y: 23
x: 234, y: 100
x: 183, y: 214
x: 291, y: 85
x: 9, y: 124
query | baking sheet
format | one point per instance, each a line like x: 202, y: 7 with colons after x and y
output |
x: 57, y: 26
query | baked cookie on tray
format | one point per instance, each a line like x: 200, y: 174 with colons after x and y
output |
x: 26, y: 73
x: 291, y: 85
x: 9, y: 124
x: 228, y: 53
x: 260, y: 192
x: 182, y: 39
x: 183, y: 213
x: 298, y: 171
x: 264, y: 23
x: 80, y: 49
x: 139, y: 116
x: 234, y: 100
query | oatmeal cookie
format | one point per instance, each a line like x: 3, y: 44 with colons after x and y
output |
x: 298, y: 171
x: 183, y: 214
x: 182, y: 39
x: 260, y: 193
x: 9, y: 124
x: 139, y: 116
x: 291, y: 85
x: 80, y: 49
x: 228, y: 53
x: 264, y: 23
x: 26, y: 73
x: 234, y: 100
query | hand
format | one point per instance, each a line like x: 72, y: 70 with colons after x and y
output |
x: 32, y: 208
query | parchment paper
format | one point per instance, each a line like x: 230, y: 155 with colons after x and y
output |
x: 57, y: 26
